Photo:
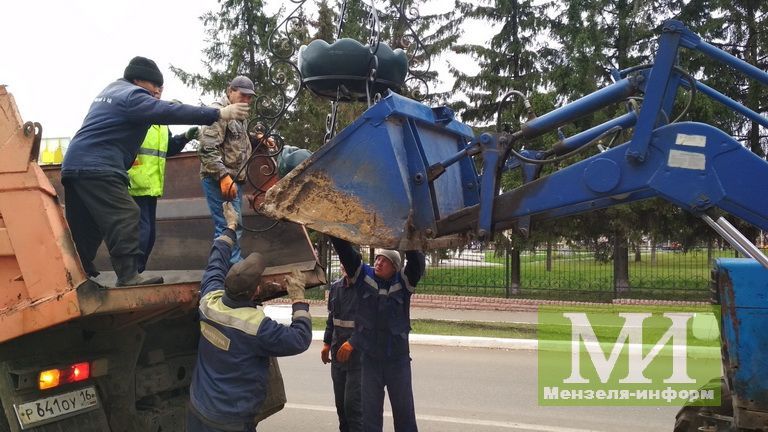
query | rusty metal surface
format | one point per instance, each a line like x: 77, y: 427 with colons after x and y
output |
x: 181, y: 288
x: 16, y: 141
x: 369, y: 184
x: 45, y: 284
x: 310, y: 198
x: 38, y: 264
x: 273, y: 279
x: 95, y: 299
x: 185, y: 229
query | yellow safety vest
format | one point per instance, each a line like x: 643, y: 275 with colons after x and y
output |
x: 147, y: 174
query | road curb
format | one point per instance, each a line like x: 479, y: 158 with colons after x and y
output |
x: 462, y: 341
x: 522, y: 344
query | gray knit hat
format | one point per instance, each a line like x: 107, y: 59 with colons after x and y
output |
x: 393, y: 257
x: 142, y: 68
x: 243, y: 278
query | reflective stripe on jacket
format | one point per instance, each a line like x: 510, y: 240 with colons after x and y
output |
x: 147, y: 174
x: 342, y: 307
x: 229, y: 382
x: 383, y: 319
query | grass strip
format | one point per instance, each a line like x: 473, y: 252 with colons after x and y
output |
x: 607, y: 334
x: 461, y: 328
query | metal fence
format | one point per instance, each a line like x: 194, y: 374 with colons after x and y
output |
x: 665, y: 272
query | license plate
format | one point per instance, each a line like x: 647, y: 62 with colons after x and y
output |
x: 43, y: 410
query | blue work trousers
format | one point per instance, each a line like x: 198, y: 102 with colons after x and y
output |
x: 215, y: 200
x: 196, y: 424
x: 148, y: 208
x: 347, y: 390
x: 394, y: 373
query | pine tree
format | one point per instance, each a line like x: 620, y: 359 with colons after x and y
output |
x: 424, y: 37
x: 325, y: 23
x: 742, y: 31
x: 510, y: 61
x: 305, y: 123
x: 310, y: 112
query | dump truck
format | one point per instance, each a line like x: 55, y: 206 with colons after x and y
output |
x: 404, y: 175
x: 78, y: 354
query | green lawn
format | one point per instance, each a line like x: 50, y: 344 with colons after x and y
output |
x: 673, y: 275
x: 514, y: 330
x: 461, y: 328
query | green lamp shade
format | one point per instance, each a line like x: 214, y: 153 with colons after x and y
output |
x: 341, y: 69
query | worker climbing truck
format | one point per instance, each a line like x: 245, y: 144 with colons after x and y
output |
x: 403, y: 175
x: 77, y: 354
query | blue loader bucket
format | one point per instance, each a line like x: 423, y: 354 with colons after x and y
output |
x: 369, y: 184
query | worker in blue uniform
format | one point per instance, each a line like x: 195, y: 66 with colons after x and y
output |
x: 229, y: 383
x: 382, y: 326
x: 346, y: 376
x: 97, y: 203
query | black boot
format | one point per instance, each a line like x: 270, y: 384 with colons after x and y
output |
x: 126, y: 268
x: 90, y: 269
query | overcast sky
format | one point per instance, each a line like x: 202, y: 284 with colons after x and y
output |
x: 57, y: 55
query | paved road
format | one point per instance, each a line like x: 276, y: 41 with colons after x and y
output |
x: 460, y: 389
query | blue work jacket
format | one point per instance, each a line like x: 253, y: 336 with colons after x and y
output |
x: 229, y: 383
x: 115, y: 126
x: 342, y: 307
x: 383, y: 319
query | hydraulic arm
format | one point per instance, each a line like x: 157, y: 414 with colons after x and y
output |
x: 403, y: 175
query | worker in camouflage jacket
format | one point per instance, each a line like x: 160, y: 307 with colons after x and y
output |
x: 224, y: 149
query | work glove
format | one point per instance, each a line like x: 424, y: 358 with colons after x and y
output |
x: 257, y: 138
x: 235, y: 111
x: 228, y: 188
x: 192, y: 133
x: 295, y: 286
x: 325, y: 354
x: 230, y: 215
x: 344, y: 352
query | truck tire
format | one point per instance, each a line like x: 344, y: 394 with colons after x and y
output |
x: 4, y: 426
x: 688, y: 418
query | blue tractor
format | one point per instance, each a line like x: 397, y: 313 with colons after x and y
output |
x: 403, y: 175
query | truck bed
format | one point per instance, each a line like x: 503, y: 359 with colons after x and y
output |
x: 46, y: 284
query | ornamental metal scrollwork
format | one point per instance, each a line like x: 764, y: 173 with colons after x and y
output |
x: 412, y: 43
x: 283, y: 72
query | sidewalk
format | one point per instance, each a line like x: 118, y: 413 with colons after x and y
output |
x: 282, y: 313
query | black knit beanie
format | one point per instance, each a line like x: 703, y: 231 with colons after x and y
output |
x: 142, y: 68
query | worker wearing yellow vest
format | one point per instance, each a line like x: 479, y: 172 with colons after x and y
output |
x: 147, y: 176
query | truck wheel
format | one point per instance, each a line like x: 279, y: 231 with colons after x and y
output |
x: 4, y: 426
x: 688, y: 418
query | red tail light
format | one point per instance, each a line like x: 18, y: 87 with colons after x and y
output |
x: 55, y: 377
